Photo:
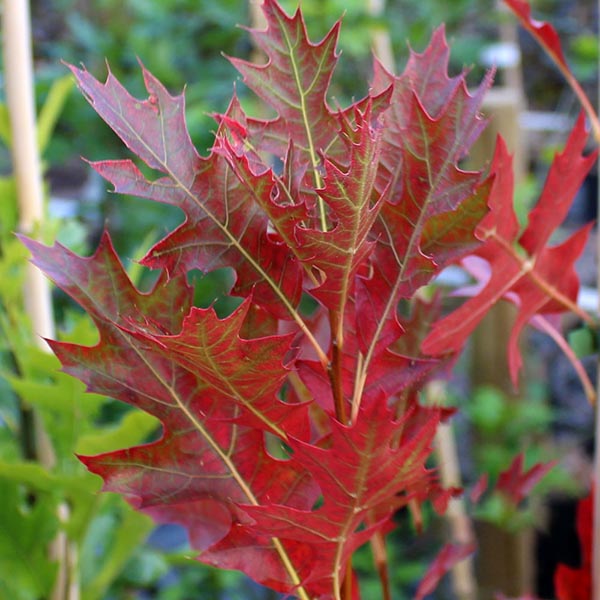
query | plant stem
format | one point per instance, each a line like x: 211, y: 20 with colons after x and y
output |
x: 588, y: 387
x: 381, y: 563
x: 335, y: 377
x: 347, y: 591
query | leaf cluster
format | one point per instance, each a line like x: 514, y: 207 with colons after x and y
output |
x: 292, y: 428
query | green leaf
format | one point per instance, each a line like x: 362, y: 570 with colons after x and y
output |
x: 26, y: 528
x: 5, y: 132
x: 39, y: 479
x: 488, y: 409
x: 8, y: 206
x: 65, y: 409
x: 111, y: 540
x: 50, y: 112
x: 582, y: 341
x: 134, y: 428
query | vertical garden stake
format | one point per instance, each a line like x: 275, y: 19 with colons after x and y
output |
x: 18, y: 66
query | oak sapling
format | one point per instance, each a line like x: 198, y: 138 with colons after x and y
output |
x: 369, y: 206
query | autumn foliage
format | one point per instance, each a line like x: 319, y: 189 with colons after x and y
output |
x: 292, y: 429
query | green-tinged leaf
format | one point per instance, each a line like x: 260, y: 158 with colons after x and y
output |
x: 51, y: 110
x: 134, y: 428
x: 25, y: 532
x: 583, y: 342
x: 5, y: 130
x: 112, y: 539
x: 38, y: 478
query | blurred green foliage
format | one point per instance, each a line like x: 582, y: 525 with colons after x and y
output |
x: 504, y: 427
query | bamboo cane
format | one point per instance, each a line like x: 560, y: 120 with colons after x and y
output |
x: 26, y: 161
x: 461, y: 527
x: 18, y: 66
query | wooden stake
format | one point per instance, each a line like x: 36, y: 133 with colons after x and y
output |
x: 461, y: 527
x: 381, y: 42
x: 18, y: 66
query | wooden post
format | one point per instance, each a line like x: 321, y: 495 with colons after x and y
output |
x: 504, y: 559
x: 380, y: 38
x: 459, y: 522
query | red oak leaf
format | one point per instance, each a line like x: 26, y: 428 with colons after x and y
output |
x: 234, y: 228
x: 539, y: 279
x: 515, y: 484
x: 205, y: 464
x: 448, y: 556
x: 208, y: 351
x: 432, y: 205
x: 360, y: 472
x: 295, y: 79
x: 543, y: 32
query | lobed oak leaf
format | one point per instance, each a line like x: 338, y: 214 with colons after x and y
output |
x: 432, y: 205
x: 101, y: 285
x: 363, y: 471
x: 515, y: 484
x: 354, y: 205
x: 207, y: 352
x: 520, y: 267
x: 206, y: 466
x: 295, y: 80
x: 248, y: 372
x: 234, y: 228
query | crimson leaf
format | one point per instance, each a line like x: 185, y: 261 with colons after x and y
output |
x: 521, y: 267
